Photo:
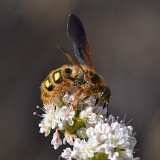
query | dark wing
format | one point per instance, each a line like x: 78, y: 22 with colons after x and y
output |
x: 76, y: 33
x: 72, y: 59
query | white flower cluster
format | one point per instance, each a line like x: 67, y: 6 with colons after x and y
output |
x: 85, y: 127
x: 114, y: 140
x: 56, y: 118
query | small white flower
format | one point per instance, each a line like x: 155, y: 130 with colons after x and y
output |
x: 84, y: 150
x: 62, y: 125
x: 91, y: 132
x: 115, y: 126
x: 114, y: 156
x: 66, y: 154
x: 69, y: 138
x: 126, y: 154
x: 66, y: 114
x: 66, y: 98
x: 91, y: 101
x: 100, y: 110
x: 101, y: 148
x: 45, y: 128
x: 82, y: 133
x: 50, y: 117
x: 56, y: 141
x: 88, y: 115
x: 69, y: 99
x: 77, y: 143
x: 88, y: 149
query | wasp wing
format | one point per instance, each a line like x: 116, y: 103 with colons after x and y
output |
x: 76, y: 33
x: 72, y: 59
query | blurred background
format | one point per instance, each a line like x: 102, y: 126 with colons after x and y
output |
x: 124, y: 37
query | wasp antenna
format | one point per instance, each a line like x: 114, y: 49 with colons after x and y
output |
x: 65, y: 53
x: 59, y: 48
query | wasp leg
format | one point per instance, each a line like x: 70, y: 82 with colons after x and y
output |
x: 105, y: 105
x: 87, y: 95
x: 107, y: 111
x: 97, y: 101
x: 61, y: 88
x: 77, y: 94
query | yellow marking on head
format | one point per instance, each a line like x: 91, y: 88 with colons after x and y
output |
x: 57, y: 76
x: 47, y: 84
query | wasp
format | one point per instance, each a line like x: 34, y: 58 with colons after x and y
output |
x: 81, y: 74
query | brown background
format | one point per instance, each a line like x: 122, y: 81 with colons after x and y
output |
x: 124, y: 37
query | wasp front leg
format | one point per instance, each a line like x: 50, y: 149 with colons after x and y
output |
x: 59, y: 89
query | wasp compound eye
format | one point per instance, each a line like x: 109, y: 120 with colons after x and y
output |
x: 49, y: 85
x: 67, y: 72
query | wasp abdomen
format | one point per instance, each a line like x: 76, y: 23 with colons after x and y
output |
x: 57, y: 77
